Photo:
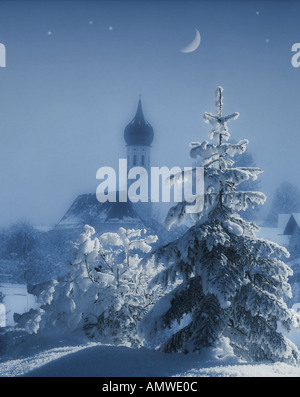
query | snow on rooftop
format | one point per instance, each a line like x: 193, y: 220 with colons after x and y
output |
x: 297, y: 218
x: 283, y: 220
x: 86, y: 209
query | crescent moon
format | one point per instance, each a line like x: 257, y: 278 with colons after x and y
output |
x: 194, y: 44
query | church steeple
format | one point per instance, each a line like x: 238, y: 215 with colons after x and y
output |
x: 139, y: 113
x: 138, y: 136
x: 139, y: 132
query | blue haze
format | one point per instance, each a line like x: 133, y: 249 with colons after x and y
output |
x: 66, y: 97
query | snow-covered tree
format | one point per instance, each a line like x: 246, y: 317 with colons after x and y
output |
x: 286, y: 200
x: 32, y: 256
x: 97, y: 296
x: 123, y: 303
x: 2, y: 311
x: 65, y: 302
x: 221, y: 281
x: 244, y: 159
x: 21, y: 240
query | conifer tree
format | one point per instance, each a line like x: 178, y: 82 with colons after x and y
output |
x: 98, y: 297
x: 222, y: 282
x: 122, y: 304
x: 65, y: 302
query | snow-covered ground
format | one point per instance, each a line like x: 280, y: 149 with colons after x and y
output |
x: 72, y: 356
x: 61, y: 357
x: 16, y: 300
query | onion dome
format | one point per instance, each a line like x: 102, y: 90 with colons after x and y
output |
x: 139, y: 132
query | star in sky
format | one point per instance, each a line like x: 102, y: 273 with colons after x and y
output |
x: 49, y: 33
x: 110, y: 28
x: 91, y: 22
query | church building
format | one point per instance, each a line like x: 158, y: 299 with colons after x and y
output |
x: 108, y: 216
x: 138, y: 136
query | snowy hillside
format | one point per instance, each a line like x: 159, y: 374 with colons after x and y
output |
x: 68, y: 359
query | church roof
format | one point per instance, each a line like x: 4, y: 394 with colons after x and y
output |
x: 86, y: 209
x: 139, y: 132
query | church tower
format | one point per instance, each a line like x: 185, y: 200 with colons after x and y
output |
x: 138, y: 136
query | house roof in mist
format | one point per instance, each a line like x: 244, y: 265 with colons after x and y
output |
x: 283, y: 220
x: 293, y: 224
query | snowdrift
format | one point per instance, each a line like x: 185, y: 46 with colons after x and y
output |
x: 107, y: 361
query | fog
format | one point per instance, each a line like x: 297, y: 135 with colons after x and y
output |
x: 75, y: 69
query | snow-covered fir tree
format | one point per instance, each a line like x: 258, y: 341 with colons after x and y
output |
x: 221, y: 281
x: 244, y: 159
x: 2, y: 311
x: 122, y: 304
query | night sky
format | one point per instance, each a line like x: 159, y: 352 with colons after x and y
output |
x: 74, y: 71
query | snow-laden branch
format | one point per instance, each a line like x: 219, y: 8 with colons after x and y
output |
x: 206, y: 150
